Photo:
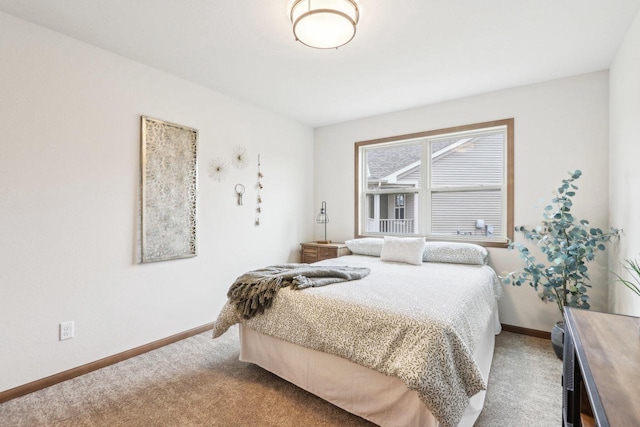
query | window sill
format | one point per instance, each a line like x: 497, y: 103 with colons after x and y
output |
x: 496, y: 243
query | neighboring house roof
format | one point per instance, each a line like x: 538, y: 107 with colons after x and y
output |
x: 387, y: 163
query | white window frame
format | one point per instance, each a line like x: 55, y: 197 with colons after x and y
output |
x: 427, y: 189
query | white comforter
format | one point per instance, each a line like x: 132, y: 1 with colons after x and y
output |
x: 418, y: 323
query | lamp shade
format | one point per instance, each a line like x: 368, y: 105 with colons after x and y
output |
x: 323, y: 218
x: 324, y: 24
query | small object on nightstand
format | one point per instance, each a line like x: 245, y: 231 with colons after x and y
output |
x: 323, y: 218
x: 317, y: 251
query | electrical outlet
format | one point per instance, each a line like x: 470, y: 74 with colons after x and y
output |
x: 66, y: 330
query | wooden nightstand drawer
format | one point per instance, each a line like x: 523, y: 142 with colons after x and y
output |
x: 313, y: 252
x: 326, y: 253
x: 309, y: 254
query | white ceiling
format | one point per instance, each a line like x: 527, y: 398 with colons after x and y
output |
x: 406, y: 53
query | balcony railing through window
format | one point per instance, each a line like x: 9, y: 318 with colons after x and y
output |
x: 391, y: 226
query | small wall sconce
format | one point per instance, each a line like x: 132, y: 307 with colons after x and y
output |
x: 323, y: 218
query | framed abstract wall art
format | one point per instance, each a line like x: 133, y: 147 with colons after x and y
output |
x: 169, y: 190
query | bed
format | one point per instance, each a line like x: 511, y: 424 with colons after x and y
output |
x: 408, y: 345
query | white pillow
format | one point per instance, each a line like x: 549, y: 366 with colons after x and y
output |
x: 371, y: 246
x: 455, y: 253
x: 403, y: 249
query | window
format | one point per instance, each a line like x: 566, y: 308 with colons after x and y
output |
x: 399, y: 214
x: 449, y: 184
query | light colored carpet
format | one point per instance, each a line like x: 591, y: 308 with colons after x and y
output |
x: 525, y: 384
x: 200, y: 382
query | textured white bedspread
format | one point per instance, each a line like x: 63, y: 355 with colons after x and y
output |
x: 418, y: 323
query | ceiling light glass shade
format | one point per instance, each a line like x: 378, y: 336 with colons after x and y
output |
x: 324, y: 24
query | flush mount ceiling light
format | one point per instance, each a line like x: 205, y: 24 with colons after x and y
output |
x: 324, y: 24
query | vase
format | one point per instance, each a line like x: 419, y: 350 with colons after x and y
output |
x: 557, y: 338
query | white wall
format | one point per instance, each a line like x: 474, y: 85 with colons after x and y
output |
x: 560, y: 126
x: 624, y: 185
x: 69, y: 182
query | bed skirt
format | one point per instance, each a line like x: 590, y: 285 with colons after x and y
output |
x: 381, y: 399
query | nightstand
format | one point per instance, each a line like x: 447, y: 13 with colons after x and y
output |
x: 314, y: 251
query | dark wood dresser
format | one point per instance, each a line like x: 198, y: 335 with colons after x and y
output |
x: 601, y: 372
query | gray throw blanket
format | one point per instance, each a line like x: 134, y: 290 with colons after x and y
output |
x: 253, y: 292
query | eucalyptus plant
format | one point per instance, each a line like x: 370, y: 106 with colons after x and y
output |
x: 568, y: 244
